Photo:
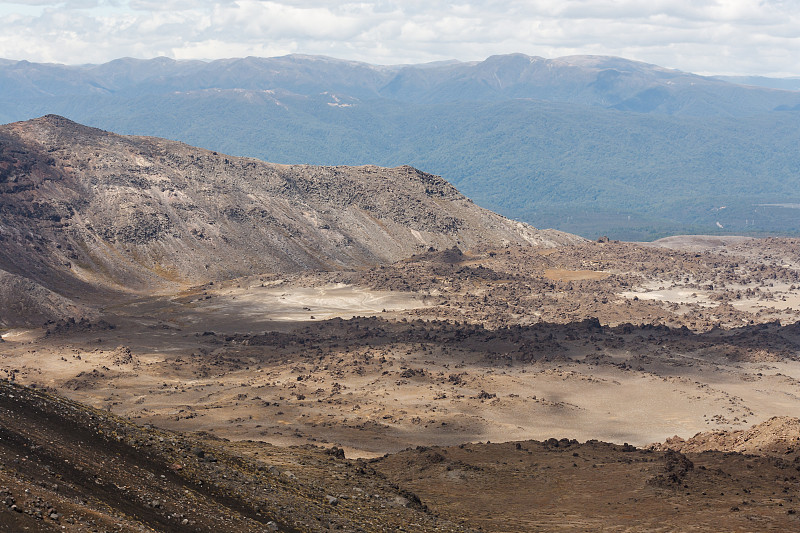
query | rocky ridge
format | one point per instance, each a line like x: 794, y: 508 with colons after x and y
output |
x: 85, y: 212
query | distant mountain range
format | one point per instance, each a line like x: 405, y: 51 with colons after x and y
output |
x: 587, y: 144
x: 607, y: 82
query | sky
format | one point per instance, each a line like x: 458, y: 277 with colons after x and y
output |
x: 746, y: 37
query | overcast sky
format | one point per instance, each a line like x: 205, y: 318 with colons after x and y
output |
x: 707, y: 37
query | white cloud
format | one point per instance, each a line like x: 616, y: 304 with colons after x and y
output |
x: 707, y: 36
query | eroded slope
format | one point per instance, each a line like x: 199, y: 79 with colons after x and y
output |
x: 85, y: 210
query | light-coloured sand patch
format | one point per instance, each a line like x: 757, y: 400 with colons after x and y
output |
x: 311, y: 303
x: 333, y: 301
x: 677, y: 295
x: 783, y: 298
x: 20, y: 335
x: 558, y: 274
x: 779, y: 299
x: 698, y: 242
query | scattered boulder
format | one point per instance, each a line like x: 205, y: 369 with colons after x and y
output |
x: 676, y: 467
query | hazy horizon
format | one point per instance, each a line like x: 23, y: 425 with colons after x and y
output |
x: 746, y: 37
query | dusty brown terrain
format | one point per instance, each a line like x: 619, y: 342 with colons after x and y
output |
x: 439, y: 326
x: 562, y: 485
x: 444, y: 348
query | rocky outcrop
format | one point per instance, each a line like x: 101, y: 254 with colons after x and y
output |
x: 780, y: 435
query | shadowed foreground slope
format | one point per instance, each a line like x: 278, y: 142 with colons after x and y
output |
x: 69, y: 467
